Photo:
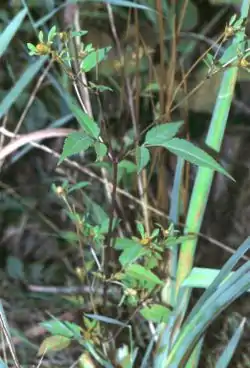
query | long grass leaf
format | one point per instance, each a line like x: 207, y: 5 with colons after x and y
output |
x: 224, y: 273
x: 192, y: 331
x: 228, y: 352
x: 125, y: 3
x: 20, y: 85
x: 10, y: 31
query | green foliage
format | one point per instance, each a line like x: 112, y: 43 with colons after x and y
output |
x: 12, y: 96
x: 53, y: 343
x: 76, y: 142
x: 142, y: 158
x: 65, y: 329
x: 9, y: 32
x: 156, y: 313
x: 93, y: 58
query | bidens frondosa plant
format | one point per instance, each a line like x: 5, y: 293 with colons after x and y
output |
x: 147, y: 263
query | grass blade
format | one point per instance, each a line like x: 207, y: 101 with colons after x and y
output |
x: 228, y: 352
x: 224, y: 273
x: 10, y: 31
x: 194, y: 329
x: 20, y: 85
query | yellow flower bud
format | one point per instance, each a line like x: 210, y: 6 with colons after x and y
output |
x: 42, y: 49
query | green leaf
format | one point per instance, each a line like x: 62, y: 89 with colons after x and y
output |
x: 208, y: 60
x: 80, y: 185
x: 31, y: 47
x: 66, y: 329
x: 40, y: 36
x: 131, y: 254
x: 20, y: 85
x: 125, y: 167
x: 129, y: 4
x: 200, y: 277
x: 86, y: 122
x: 101, y: 150
x: 140, y: 229
x: 124, y: 243
x: 78, y: 33
x: 162, y: 133
x: 99, y: 87
x: 10, y: 31
x: 75, y: 143
x: 190, y: 19
x: 152, y: 87
x: 51, y: 34
x: 233, y: 18
x: 151, y: 262
x: 193, y: 154
x: 128, y: 166
x: 53, y: 343
x: 141, y: 273
x: 104, y: 226
x: 105, y: 319
x: 69, y: 236
x: 93, y: 58
x: 96, y: 211
x: 156, y: 313
x: 142, y: 158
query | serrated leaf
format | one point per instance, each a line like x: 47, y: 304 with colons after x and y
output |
x: 129, y: 166
x: 156, y: 313
x: 66, y: 329
x: 93, y: 58
x: 104, y: 226
x: 75, y: 143
x: 151, y: 263
x: 80, y: 185
x: 125, y: 167
x: 162, y: 133
x: 100, y: 88
x: 87, y: 123
x: 140, y: 229
x: 78, y: 33
x: 52, y: 34
x: 124, y: 243
x: 152, y: 87
x: 101, y: 150
x: 142, y: 158
x: 69, y: 236
x: 131, y: 254
x: 40, y: 36
x: 53, y: 343
x: 194, y: 154
x: 141, y: 273
x: 31, y: 47
x: 8, y: 33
